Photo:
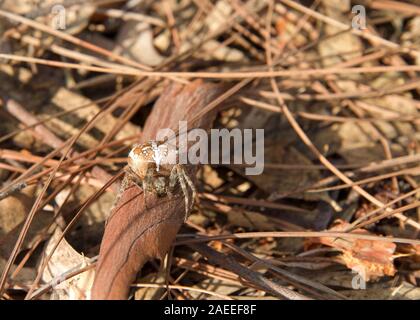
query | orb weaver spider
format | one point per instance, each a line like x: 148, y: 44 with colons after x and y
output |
x: 152, y: 166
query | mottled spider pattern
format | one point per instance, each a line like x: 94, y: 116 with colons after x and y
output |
x: 152, y: 166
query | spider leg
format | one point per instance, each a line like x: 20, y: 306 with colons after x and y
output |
x: 173, y: 178
x: 147, y: 184
x: 126, y: 182
x: 181, y: 180
x: 131, y: 176
x: 190, y: 184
